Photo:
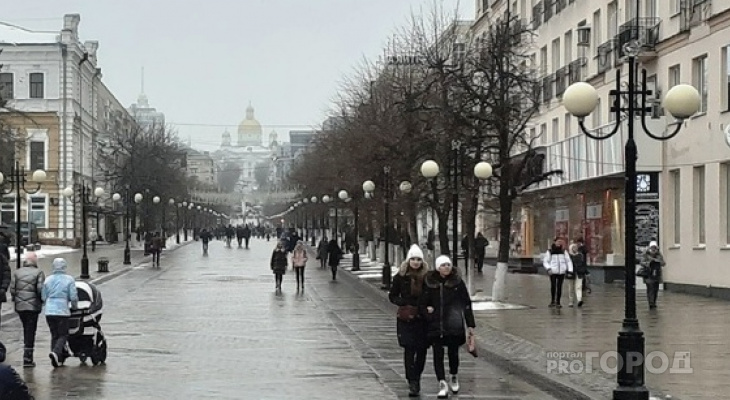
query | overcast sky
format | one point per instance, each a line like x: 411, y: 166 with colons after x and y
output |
x: 204, y: 61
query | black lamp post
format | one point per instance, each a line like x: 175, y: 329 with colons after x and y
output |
x: 127, y: 220
x: 344, y: 196
x: 85, y: 200
x: 177, y: 223
x: 17, y: 183
x: 185, y: 219
x: 313, y: 230
x: 682, y: 101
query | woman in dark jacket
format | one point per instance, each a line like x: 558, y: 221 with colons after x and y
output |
x: 279, y: 263
x: 335, y: 255
x: 322, y: 251
x: 405, y: 292
x: 447, y: 306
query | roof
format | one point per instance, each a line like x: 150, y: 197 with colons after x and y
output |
x: 10, y: 33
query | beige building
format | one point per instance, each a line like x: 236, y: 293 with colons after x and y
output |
x: 201, y: 167
x: 59, y: 106
x: 683, y: 184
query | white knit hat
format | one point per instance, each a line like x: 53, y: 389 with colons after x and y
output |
x: 442, y: 260
x: 415, y: 252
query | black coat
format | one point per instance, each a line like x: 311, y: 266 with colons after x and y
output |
x: 450, y: 300
x: 334, y: 254
x: 413, y: 333
x: 5, y: 278
x: 279, y: 261
x: 12, y: 386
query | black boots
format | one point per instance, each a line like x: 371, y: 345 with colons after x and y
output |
x: 414, y: 388
x: 28, y: 358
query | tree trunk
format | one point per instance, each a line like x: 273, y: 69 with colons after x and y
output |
x: 505, y: 226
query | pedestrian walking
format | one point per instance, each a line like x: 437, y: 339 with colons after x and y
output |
x: 575, y: 279
x: 557, y: 264
x: 26, y: 289
x: 205, y: 238
x: 12, y: 386
x: 586, y: 277
x: 653, y: 262
x: 334, y: 255
x: 239, y: 235
x: 246, y: 234
x: 322, y: 253
x: 480, y: 248
x: 5, y: 277
x: 156, y: 249
x: 447, y: 306
x: 405, y: 292
x: 59, y: 294
x: 298, y: 262
x: 279, y: 263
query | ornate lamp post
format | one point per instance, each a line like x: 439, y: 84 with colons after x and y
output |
x: 185, y: 220
x: 177, y: 222
x: 85, y: 199
x: 682, y: 101
x: 326, y: 199
x: 127, y: 222
x: 314, y: 201
x: 430, y: 170
x: 17, y: 183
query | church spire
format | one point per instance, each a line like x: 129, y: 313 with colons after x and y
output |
x: 142, y: 100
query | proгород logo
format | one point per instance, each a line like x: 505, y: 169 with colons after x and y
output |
x: 579, y: 362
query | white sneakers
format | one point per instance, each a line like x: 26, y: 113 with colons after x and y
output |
x: 443, y: 390
x: 454, y: 384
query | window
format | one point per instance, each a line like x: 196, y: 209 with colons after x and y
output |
x: 556, y: 130
x: 675, y: 6
x: 6, y: 85
x: 630, y: 8
x: 37, y: 155
x: 676, y: 204
x: 597, y: 114
x: 725, y: 68
x: 674, y: 76
x: 698, y: 194
x: 725, y: 190
x: 459, y: 52
x: 7, y: 209
x: 543, y: 60
x: 36, y: 85
x: 651, y: 8
x: 699, y: 80
x: 543, y: 133
x: 568, y: 43
x: 612, y: 19
x: 568, y: 122
x: 556, y: 55
x: 38, y: 211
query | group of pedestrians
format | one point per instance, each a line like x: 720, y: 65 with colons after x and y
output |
x: 328, y: 253
x: 434, y: 310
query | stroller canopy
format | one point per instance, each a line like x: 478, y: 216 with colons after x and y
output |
x: 89, y: 297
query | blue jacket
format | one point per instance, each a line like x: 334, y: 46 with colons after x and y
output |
x: 59, y: 290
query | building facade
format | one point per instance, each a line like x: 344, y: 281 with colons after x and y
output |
x: 58, y: 105
x: 683, y: 183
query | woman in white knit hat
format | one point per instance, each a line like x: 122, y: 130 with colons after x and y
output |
x: 405, y: 292
x: 447, y: 306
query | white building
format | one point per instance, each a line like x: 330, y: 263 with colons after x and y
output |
x: 684, y: 183
x: 55, y: 83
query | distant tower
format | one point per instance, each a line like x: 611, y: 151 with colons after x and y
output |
x: 226, y: 140
x: 142, y: 100
x: 273, y: 139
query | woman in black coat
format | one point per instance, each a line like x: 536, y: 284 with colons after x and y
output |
x: 334, y: 256
x: 447, y: 306
x: 405, y: 292
x: 279, y: 263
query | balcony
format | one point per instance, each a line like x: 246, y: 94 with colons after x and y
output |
x: 645, y: 31
x: 577, y: 70
x: 561, y: 80
x: 693, y: 12
x: 606, y: 56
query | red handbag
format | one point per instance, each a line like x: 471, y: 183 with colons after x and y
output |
x: 407, y: 313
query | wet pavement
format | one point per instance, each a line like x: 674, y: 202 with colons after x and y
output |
x: 214, y: 327
x: 527, y: 331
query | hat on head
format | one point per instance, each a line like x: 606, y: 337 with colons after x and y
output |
x: 31, y: 257
x: 442, y: 260
x: 653, y: 243
x: 415, y: 252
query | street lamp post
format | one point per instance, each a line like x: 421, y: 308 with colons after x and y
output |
x: 17, y: 183
x: 185, y: 220
x: 314, y: 201
x: 127, y: 221
x: 177, y: 222
x: 326, y: 199
x: 156, y: 201
x: 85, y: 199
x: 482, y: 171
x: 682, y: 101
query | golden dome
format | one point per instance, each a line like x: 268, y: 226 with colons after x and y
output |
x: 249, y: 130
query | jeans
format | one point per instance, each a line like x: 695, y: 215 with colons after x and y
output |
x: 156, y: 257
x: 30, y: 326
x: 438, y: 359
x: 652, y: 290
x: 556, y: 287
x: 300, y: 275
x: 278, y: 277
x: 575, y: 289
x: 480, y: 262
x: 59, y: 334
x: 414, y: 361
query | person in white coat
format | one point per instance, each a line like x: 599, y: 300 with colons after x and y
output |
x: 557, y: 263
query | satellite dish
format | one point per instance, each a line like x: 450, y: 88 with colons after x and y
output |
x: 727, y: 134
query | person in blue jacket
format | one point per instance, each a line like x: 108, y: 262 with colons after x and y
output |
x: 59, y: 295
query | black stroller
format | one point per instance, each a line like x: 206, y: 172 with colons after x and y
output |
x: 85, y: 338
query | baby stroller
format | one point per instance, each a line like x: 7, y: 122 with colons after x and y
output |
x: 85, y: 338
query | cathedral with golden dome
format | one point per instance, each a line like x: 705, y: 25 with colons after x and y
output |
x: 248, y: 151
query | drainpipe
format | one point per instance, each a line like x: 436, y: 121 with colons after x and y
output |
x: 64, y: 107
